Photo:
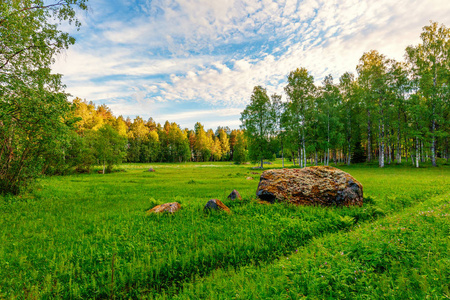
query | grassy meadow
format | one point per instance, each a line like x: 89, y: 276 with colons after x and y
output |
x: 88, y: 236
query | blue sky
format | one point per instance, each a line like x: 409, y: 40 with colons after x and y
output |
x: 197, y: 60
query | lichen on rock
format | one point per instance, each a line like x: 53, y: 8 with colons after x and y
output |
x: 326, y: 186
x: 166, y: 207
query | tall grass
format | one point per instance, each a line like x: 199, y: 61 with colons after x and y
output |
x: 403, y: 256
x: 88, y: 235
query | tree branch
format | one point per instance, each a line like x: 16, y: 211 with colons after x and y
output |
x: 59, y: 3
x: 15, y: 54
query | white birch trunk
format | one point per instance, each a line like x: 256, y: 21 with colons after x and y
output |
x: 417, y: 152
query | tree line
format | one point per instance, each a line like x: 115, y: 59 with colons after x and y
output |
x: 392, y: 110
x: 147, y: 141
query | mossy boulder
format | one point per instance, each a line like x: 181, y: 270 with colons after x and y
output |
x: 325, y: 186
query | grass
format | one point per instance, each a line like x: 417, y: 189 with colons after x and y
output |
x: 87, y: 236
x: 403, y: 256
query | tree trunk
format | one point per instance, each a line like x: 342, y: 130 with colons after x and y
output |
x: 433, y: 142
x: 422, y: 156
x: 381, y: 149
x: 417, y: 152
x: 328, y: 156
x: 389, y: 154
x: 382, y: 134
x: 446, y: 149
x: 349, y: 151
x: 399, y: 149
x: 328, y: 141
x: 369, y: 136
x: 304, y: 149
x: 406, y: 149
x: 433, y: 123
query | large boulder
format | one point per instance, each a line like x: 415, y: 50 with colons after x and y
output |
x: 166, y: 207
x: 326, y: 186
x: 216, y: 204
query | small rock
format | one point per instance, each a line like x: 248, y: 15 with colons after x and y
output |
x: 267, y: 163
x: 249, y: 178
x: 151, y: 170
x: 256, y: 173
x: 216, y: 204
x: 166, y: 207
x: 235, y: 195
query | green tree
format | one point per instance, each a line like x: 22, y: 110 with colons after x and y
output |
x: 108, y: 146
x: 224, y: 142
x: 203, y: 143
x: 430, y: 68
x: 278, y: 112
x: 399, y: 86
x: 300, y: 91
x: 240, y: 148
x: 328, y: 107
x: 257, y: 120
x: 372, y: 69
x: 34, y: 112
x: 348, y: 92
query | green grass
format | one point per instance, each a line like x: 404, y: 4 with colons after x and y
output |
x: 88, y: 235
x: 404, y: 256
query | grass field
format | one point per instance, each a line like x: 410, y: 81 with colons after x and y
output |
x: 88, y: 236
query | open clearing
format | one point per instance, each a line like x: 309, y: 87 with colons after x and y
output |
x: 87, y: 236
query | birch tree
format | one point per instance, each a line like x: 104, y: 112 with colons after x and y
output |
x: 257, y: 120
x: 372, y: 71
x: 430, y: 67
x: 300, y: 91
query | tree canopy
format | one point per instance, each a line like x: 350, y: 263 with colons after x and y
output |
x: 34, y: 112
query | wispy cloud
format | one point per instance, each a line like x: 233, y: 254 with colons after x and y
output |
x: 208, y: 55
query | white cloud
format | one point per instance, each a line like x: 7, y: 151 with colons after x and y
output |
x: 214, y: 52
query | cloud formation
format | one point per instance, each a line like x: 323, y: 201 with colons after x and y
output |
x: 160, y: 58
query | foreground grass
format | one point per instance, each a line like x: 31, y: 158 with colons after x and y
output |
x: 404, y: 256
x: 88, y: 236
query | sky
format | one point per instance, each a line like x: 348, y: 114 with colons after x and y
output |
x: 191, y: 61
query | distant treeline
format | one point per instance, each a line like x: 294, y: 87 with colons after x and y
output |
x: 148, y: 141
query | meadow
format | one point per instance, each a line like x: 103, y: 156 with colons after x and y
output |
x: 88, y: 236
